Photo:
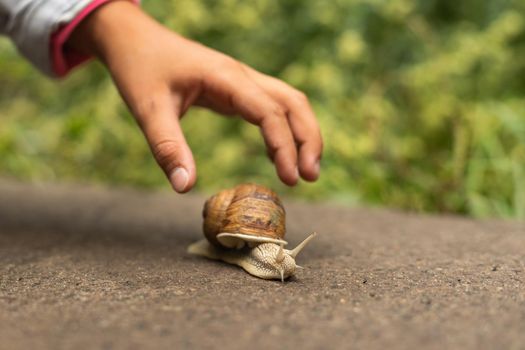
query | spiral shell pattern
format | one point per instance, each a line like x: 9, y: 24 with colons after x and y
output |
x: 247, y: 209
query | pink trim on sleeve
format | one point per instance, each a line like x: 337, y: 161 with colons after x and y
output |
x: 64, y: 59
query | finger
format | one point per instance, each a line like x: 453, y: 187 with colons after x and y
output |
x: 260, y: 109
x: 307, y: 135
x: 279, y: 142
x: 159, y: 120
x: 302, y: 121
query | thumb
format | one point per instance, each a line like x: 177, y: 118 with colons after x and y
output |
x: 159, y: 122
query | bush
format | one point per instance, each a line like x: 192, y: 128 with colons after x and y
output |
x: 421, y: 104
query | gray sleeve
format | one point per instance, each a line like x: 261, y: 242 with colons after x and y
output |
x: 30, y: 23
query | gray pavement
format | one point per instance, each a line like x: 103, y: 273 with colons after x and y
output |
x: 88, y: 267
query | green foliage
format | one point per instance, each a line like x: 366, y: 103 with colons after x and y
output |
x: 421, y: 103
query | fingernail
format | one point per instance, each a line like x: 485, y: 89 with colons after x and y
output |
x: 317, y: 167
x: 296, y: 173
x: 179, y: 179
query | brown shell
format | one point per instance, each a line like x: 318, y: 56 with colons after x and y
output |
x: 247, y: 209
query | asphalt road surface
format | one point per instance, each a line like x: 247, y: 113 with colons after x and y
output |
x: 87, y: 267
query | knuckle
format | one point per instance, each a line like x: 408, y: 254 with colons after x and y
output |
x: 165, y: 152
x: 272, y: 116
x: 226, y: 61
x: 281, y: 145
x: 226, y: 68
x: 146, y: 108
x: 300, y: 98
x: 272, y: 145
x: 276, y: 111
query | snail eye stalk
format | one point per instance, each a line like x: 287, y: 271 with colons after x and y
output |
x: 301, y: 245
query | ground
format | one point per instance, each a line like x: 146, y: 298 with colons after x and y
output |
x: 91, y: 267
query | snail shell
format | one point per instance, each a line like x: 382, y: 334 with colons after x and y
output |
x: 253, y: 216
x: 247, y: 214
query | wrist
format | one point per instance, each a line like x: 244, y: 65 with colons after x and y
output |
x: 109, y: 29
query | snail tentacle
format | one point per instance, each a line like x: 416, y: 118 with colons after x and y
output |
x: 294, y: 252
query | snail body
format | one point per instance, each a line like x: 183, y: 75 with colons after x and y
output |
x: 245, y: 226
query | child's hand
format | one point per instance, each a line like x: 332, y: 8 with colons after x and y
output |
x: 161, y: 74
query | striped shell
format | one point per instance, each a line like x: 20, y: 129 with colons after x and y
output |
x: 246, y: 214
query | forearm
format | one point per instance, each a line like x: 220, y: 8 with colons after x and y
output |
x: 117, y: 24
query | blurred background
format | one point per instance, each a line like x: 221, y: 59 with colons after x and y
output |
x: 421, y: 104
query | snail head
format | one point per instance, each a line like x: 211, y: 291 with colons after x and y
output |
x: 275, y: 262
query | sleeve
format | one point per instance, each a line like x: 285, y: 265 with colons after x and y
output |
x: 40, y: 28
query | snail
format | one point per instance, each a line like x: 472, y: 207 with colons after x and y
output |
x: 245, y: 226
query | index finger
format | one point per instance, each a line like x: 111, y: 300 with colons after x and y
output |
x: 307, y: 134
